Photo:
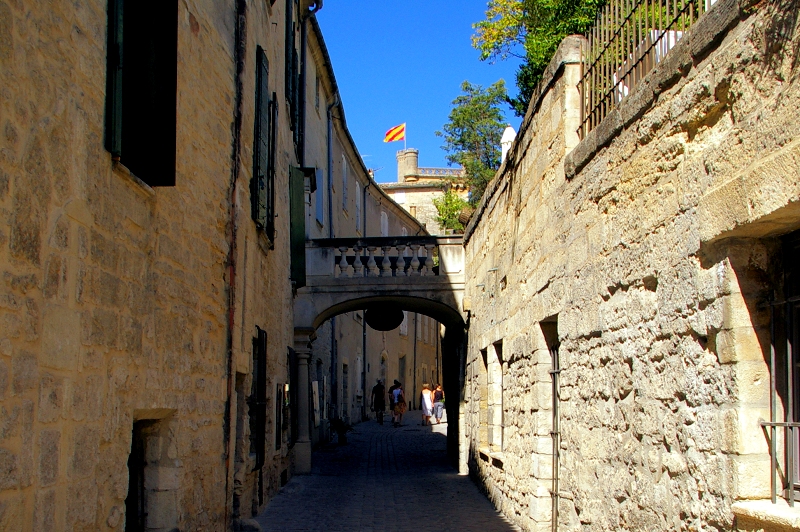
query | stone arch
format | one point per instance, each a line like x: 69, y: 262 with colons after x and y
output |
x: 437, y: 310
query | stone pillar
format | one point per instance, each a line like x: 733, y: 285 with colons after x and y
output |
x: 302, y: 447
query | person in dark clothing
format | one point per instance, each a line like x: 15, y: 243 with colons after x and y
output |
x: 378, y: 401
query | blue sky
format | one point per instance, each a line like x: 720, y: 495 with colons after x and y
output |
x: 404, y: 61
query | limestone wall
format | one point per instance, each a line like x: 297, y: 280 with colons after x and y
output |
x: 645, y: 255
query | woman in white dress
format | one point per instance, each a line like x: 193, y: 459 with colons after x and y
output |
x: 426, y: 400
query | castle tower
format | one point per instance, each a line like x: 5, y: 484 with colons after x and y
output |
x: 407, y: 165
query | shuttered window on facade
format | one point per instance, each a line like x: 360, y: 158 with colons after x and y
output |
x: 297, y: 227
x: 262, y: 185
x: 258, y: 399
x: 292, y: 71
x: 142, y: 77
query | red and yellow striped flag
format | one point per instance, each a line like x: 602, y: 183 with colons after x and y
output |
x: 396, y: 133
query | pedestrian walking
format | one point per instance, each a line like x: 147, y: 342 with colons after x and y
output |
x: 438, y: 403
x: 378, y: 401
x: 426, y: 400
x: 399, y: 405
x: 392, y: 388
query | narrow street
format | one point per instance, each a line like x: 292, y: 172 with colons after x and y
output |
x: 384, y: 479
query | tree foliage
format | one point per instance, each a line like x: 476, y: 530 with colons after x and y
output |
x: 472, y: 136
x: 449, y: 207
x: 531, y: 30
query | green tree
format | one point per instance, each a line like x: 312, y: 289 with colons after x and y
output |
x: 530, y: 30
x: 449, y: 207
x: 472, y: 136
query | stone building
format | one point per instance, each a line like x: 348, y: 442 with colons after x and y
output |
x: 348, y: 203
x: 155, y: 212
x: 631, y: 292
x: 417, y: 187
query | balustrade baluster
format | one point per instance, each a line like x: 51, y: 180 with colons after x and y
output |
x: 372, y: 266
x: 337, y: 268
x: 414, y: 268
x: 386, y: 265
x: 344, y: 268
x: 400, y: 271
x: 358, y: 265
x: 428, y: 269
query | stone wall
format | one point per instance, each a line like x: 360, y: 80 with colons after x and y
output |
x: 642, y: 258
x: 125, y: 308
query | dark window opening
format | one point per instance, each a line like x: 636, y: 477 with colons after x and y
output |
x: 262, y: 185
x: 258, y: 399
x: 142, y: 79
x: 135, y: 509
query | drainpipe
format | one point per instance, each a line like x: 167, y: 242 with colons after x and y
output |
x: 301, y: 119
x: 414, y: 370
x: 334, y: 353
x: 363, y: 368
x: 240, y: 40
x: 335, y: 102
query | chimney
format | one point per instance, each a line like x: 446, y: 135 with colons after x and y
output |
x: 407, y: 164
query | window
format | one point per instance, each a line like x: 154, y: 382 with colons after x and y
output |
x: 495, y: 396
x: 418, y: 326
x: 258, y: 399
x: 344, y: 182
x: 400, y: 197
x: 262, y: 185
x: 412, y: 210
x: 142, y: 87
x: 384, y: 224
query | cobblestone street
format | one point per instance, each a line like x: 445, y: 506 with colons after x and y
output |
x: 384, y: 479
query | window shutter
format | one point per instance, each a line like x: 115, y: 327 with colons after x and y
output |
x: 258, y: 403
x: 261, y: 154
x: 297, y: 227
x: 114, y: 79
x: 270, y: 222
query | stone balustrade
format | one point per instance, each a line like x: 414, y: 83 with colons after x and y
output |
x: 405, y: 256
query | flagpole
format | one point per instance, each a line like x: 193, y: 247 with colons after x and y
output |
x: 405, y: 137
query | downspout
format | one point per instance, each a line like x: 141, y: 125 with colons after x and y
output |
x: 414, y: 371
x: 335, y: 102
x: 240, y: 48
x: 334, y: 350
x: 301, y: 119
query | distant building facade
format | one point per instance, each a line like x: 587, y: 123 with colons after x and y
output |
x: 417, y: 187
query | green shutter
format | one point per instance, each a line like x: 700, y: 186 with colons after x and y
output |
x: 297, y: 230
x: 258, y: 187
x: 114, y: 79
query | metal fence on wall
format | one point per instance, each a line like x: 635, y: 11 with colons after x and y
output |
x: 628, y: 39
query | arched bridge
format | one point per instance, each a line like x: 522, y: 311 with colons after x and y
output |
x: 420, y: 274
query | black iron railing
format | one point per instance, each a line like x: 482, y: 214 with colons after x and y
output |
x: 628, y: 39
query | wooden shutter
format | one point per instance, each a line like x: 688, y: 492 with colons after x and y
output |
x: 261, y: 151
x: 258, y: 401
x: 297, y: 230
x: 270, y: 222
x: 114, y: 79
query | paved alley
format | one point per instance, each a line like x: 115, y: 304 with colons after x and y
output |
x: 384, y: 479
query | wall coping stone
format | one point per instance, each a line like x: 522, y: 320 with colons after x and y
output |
x: 700, y: 38
x: 780, y: 513
x: 567, y: 53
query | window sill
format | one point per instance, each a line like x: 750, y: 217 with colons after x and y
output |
x: 762, y: 514
x: 495, y: 457
x: 123, y: 170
